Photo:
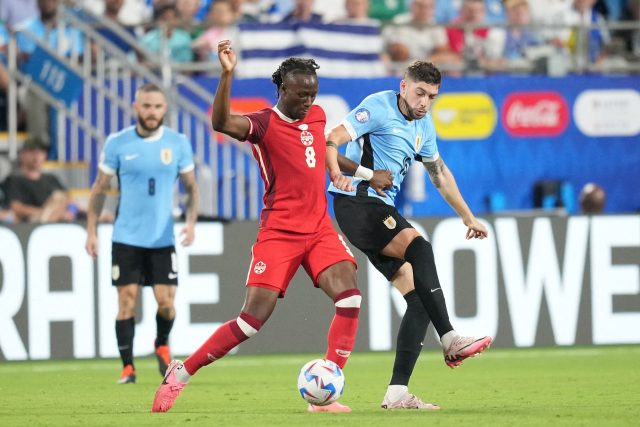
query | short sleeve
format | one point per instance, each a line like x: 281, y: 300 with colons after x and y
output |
x: 259, y: 121
x: 366, y: 117
x: 185, y: 164
x: 109, y: 161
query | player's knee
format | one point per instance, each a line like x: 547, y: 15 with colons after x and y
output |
x: 351, y: 298
x: 419, y: 250
x: 248, y: 324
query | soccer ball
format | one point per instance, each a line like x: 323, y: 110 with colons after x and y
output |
x: 321, y: 382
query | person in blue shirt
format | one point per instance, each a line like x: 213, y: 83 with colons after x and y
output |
x: 385, y: 134
x: 147, y: 158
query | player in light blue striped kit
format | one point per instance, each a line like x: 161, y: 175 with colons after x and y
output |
x: 386, y: 133
x: 147, y: 159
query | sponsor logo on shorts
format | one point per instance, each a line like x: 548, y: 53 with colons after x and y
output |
x: 211, y: 357
x: 260, y: 267
x: 390, y: 222
x: 362, y: 115
x: 172, y: 275
x: 115, y: 272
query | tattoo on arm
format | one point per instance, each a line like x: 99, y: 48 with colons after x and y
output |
x: 436, y: 170
x: 332, y: 144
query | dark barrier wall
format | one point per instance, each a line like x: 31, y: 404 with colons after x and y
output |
x: 535, y: 282
x: 504, y: 133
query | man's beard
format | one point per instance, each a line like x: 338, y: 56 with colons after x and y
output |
x: 144, y: 126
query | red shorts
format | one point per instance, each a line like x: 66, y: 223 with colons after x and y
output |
x: 276, y: 256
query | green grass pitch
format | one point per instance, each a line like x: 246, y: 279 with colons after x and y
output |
x: 571, y: 386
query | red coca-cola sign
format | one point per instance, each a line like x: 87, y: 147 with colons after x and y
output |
x: 535, y: 114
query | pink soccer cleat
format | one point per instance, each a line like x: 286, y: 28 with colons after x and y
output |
x: 169, y: 389
x: 332, y: 407
x: 408, y: 401
x: 463, y: 347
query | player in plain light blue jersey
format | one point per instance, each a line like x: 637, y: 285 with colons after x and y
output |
x: 383, y: 139
x: 147, y: 159
x: 386, y: 133
x: 147, y: 169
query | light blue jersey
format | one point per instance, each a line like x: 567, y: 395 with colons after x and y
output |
x: 381, y: 138
x: 147, y: 169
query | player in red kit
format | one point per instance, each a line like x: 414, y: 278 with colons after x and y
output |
x: 295, y: 229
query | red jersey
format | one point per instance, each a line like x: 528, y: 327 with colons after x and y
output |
x: 291, y: 155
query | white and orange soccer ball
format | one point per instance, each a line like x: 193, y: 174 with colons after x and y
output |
x: 321, y: 382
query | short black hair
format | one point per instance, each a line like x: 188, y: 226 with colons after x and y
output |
x: 423, y: 71
x: 293, y: 65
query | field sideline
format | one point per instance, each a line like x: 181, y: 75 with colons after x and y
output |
x: 571, y: 386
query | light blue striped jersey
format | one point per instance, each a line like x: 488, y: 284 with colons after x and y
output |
x: 382, y: 138
x: 147, y: 169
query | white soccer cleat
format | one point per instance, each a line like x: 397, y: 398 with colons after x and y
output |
x: 408, y: 401
x: 464, y: 347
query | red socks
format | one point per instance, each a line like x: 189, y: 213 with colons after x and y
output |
x: 342, y: 333
x: 222, y: 341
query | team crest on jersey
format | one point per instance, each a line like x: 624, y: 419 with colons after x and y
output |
x: 166, y: 155
x: 362, y: 115
x: 418, y: 141
x: 390, y: 222
x: 306, y: 138
x: 260, y: 267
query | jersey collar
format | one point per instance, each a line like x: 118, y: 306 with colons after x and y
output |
x: 153, y: 137
x: 282, y: 115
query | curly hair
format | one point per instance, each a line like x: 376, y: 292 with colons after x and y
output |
x: 423, y: 71
x: 293, y: 65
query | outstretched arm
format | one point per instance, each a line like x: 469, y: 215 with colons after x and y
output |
x: 222, y: 120
x: 336, y: 138
x: 443, y: 180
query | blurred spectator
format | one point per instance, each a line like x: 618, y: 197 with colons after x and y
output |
x: 411, y: 36
x: 167, y: 34
x: 544, y: 11
x: 632, y: 37
x: 36, y: 196
x: 303, y: 12
x: 44, y: 26
x: 132, y: 13
x: 612, y: 10
x: 221, y: 21
x: 112, y: 10
x: 512, y: 46
x: 357, y: 12
x: 6, y: 214
x: 592, y: 198
x: 66, y: 41
x: 447, y: 11
x: 187, y: 11
x: 472, y: 44
x: 581, y: 15
x: 386, y: 10
x: 12, y: 12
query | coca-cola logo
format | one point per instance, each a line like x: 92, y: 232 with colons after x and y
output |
x: 535, y: 114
